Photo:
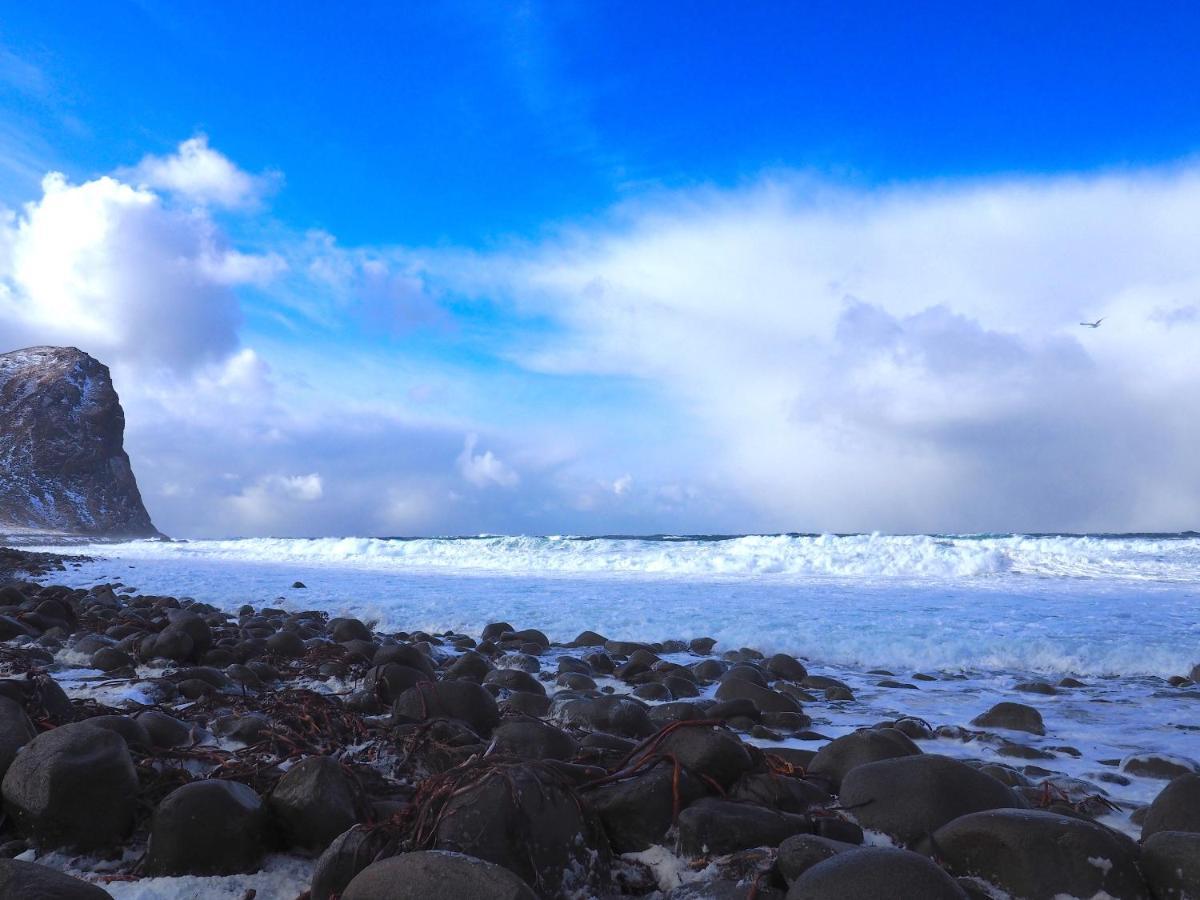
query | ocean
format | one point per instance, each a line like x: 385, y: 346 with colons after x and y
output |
x: 962, y: 619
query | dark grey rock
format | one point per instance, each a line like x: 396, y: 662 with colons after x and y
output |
x: 872, y: 873
x: 1040, y: 855
x: 350, y: 853
x: 841, y: 755
x: 637, y: 812
x: 1012, y: 716
x: 314, y: 802
x: 62, y: 439
x: 1171, y: 864
x: 622, y: 716
x: 15, y: 731
x: 33, y: 881
x: 910, y: 797
x: 712, y: 827
x: 426, y: 874
x: 212, y: 827
x: 709, y: 750
x: 535, y: 826
x: 73, y: 787
x: 1176, y: 808
x: 463, y: 700
x: 801, y: 852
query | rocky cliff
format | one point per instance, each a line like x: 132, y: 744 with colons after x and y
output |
x: 63, y: 466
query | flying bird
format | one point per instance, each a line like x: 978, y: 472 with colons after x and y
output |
x: 1095, y: 324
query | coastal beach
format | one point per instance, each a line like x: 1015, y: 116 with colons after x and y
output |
x: 922, y: 636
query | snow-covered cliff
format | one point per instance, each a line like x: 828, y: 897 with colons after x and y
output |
x: 63, y: 466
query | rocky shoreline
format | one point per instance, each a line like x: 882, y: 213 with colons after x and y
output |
x: 194, y: 743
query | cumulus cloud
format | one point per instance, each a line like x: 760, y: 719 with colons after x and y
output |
x: 114, y: 269
x: 904, y: 358
x: 202, y: 175
x: 484, y: 469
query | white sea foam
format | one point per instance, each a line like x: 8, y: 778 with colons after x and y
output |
x: 1082, y: 605
x: 1165, y: 558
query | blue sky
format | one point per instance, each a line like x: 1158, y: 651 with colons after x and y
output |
x: 617, y: 267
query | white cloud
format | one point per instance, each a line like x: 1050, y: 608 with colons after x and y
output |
x: 203, y: 176
x: 109, y: 267
x: 621, y: 486
x: 897, y: 359
x: 484, y: 469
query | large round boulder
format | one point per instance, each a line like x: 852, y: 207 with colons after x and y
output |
x: 33, y: 881
x: 839, y: 756
x: 523, y: 818
x: 716, y: 827
x: 74, y: 787
x: 910, y: 797
x: 463, y: 700
x: 1171, y: 864
x: 622, y: 716
x: 213, y: 827
x: 1176, y: 808
x: 871, y: 873
x: 15, y: 731
x: 708, y: 750
x: 314, y: 802
x: 1013, y: 717
x: 425, y: 874
x: 1041, y: 855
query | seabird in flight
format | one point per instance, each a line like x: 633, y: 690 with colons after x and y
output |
x: 1095, y: 324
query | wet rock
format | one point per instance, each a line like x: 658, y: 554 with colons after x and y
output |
x: 840, y: 756
x: 533, y: 739
x: 342, y: 630
x: 469, y: 666
x: 350, y: 853
x: 763, y: 698
x: 801, y: 852
x: 708, y: 750
x: 32, y: 881
x: 535, y: 705
x: 462, y: 700
x: 15, y: 732
x: 1171, y: 865
x: 870, y: 873
x: 787, y: 667
x: 314, y: 802
x: 714, y: 827
x: 838, y: 692
x: 589, y: 639
x: 911, y: 797
x: 622, y: 716
x: 517, y: 817
x: 74, y: 787
x: 1036, y: 687
x: 391, y: 680
x: 1012, y: 716
x: 211, y: 827
x: 165, y: 730
x: 1040, y: 855
x: 286, y: 645
x: 1158, y: 765
x: 1176, y: 808
x: 404, y: 655
x: 638, y: 811
x: 425, y: 874
x: 514, y: 680
x: 781, y: 792
x: 110, y: 659
x: 133, y: 731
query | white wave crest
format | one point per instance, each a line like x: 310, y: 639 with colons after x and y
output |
x: 835, y: 556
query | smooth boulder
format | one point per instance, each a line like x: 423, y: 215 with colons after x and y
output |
x: 1176, y: 808
x: 74, y: 786
x: 1171, y: 864
x: 1041, y: 855
x: 913, y: 796
x: 873, y: 873
x: 433, y: 873
x: 314, y: 802
x: 212, y: 827
x: 841, y: 755
x: 33, y: 881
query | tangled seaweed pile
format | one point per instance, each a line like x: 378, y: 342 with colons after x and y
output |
x: 420, y: 765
